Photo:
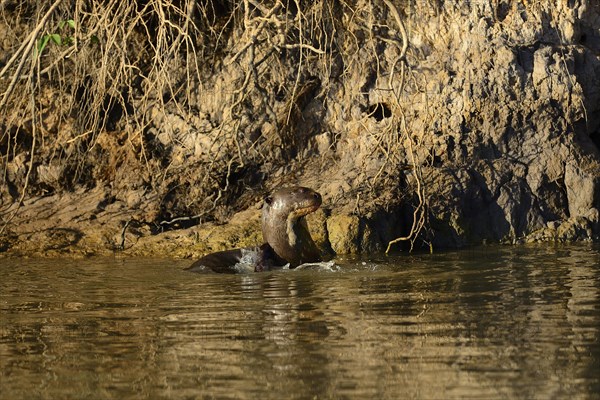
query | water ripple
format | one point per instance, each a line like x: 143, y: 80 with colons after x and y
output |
x: 494, y: 322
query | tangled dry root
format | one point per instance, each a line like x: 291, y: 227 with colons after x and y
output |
x: 130, y: 86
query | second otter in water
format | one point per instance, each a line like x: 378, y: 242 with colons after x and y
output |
x: 284, y: 230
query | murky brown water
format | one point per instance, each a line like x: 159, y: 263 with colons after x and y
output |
x: 496, y: 322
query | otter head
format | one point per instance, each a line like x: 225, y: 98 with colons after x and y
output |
x: 284, y: 227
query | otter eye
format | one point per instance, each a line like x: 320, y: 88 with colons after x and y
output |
x: 268, y: 200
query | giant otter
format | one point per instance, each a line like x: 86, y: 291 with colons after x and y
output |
x: 285, y: 232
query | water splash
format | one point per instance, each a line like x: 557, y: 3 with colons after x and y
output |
x: 328, y: 266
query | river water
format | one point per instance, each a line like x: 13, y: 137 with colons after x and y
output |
x: 490, y: 322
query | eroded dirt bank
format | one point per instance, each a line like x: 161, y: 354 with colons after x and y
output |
x: 158, y: 130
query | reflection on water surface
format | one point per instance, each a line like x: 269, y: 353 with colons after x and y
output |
x: 494, y: 322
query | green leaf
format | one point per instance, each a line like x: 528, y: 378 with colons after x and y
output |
x: 42, y: 44
x: 56, y: 38
x: 69, y: 22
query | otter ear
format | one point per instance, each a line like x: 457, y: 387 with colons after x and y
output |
x: 268, y: 200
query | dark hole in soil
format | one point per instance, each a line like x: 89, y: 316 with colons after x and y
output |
x: 379, y: 111
x: 451, y: 145
x: 502, y: 11
x: 595, y: 136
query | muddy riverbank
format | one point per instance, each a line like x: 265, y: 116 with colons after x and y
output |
x: 158, y: 131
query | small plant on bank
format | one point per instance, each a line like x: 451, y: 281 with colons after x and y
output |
x: 57, y: 38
